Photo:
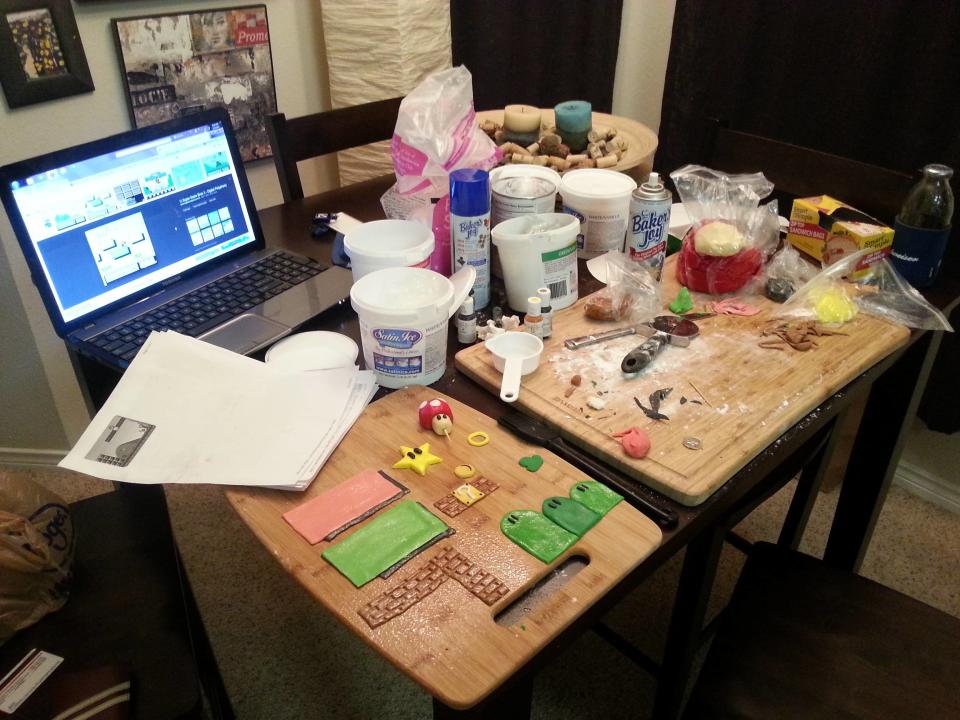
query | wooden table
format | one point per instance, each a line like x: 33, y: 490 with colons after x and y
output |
x: 892, y: 388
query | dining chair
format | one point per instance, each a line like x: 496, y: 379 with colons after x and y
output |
x: 310, y: 136
x: 801, y: 639
x: 130, y: 611
x: 803, y: 172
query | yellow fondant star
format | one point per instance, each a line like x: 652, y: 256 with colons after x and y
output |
x: 417, y: 459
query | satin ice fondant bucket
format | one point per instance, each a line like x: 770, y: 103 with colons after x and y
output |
x: 403, y: 321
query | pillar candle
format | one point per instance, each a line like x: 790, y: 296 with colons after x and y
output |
x: 521, y: 118
x: 574, y: 120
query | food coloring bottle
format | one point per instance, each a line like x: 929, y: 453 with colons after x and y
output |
x: 533, y: 322
x: 467, y: 323
x: 546, y: 311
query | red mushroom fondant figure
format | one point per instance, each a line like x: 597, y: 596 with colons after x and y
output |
x: 436, y: 415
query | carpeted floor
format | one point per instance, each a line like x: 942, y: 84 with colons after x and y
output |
x: 282, y: 656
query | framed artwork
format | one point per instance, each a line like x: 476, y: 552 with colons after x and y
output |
x: 41, y: 56
x: 185, y: 62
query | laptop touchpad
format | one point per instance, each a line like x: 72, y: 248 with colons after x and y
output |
x: 246, y: 333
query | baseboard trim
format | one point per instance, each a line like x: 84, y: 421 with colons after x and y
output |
x: 928, y: 486
x: 30, y: 456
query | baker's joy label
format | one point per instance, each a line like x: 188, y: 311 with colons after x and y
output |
x: 397, y: 338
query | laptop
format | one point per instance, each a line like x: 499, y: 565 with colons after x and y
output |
x: 156, y: 229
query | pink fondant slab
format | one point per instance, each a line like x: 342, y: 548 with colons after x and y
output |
x: 329, y: 513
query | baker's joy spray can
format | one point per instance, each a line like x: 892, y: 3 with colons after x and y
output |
x: 649, y: 224
x: 470, y: 227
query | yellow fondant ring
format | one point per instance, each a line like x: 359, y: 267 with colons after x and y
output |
x: 478, y: 439
x: 464, y: 471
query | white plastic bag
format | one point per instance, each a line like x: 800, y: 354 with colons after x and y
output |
x: 436, y: 133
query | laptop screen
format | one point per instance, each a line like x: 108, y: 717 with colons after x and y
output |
x: 108, y: 226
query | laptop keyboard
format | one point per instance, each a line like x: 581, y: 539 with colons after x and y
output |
x: 211, y: 305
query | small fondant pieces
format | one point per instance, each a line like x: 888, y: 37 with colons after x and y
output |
x: 429, y: 410
x: 417, y: 459
x: 682, y: 303
x: 635, y: 442
x: 352, y: 501
x: 570, y: 515
x: 595, y: 496
x: 448, y: 564
x: 467, y: 494
x: 475, y: 579
x: 733, y: 306
x: 449, y: 504
x: 384, y: 542
x: 540, y: 537
x: 464, y: 472
x: 531, y: 463
x: 478, y: 439
x: 404, y: 596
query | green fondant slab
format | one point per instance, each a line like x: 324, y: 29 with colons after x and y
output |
x: 570, y: 515
x: 595, y: 496
x: 543, y: 539
x: 384, y: 542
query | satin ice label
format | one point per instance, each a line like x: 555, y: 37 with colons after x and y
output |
x: 397, y: 338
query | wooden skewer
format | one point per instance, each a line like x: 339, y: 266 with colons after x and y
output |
x: 690, y: 382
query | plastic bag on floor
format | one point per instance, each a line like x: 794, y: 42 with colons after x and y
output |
x: 36, y: 553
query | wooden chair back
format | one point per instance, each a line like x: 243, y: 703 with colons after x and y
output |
x: 323, y: 133
x: 801, y: 172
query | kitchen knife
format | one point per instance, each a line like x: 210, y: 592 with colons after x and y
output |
x: 538, y: 433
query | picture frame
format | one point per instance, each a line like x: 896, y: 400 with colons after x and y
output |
x: 41, y: 55
x: 181, y: 62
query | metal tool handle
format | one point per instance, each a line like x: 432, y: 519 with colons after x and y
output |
x: 585, y: 340
x: 664, y: 517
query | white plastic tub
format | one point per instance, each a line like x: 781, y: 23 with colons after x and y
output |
x: 382, y: 244
x: 539, y: 251
x: 600, y: 200
x: 403, y: 321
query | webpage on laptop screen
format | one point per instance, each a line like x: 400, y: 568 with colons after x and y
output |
x: 112, y: 225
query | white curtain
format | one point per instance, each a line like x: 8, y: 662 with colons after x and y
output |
x: 379, y: 50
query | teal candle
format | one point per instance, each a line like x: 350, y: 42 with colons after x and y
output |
x: 574, y: 120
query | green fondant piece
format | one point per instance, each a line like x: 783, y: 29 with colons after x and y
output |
x: 384, y: 541
x: 595, y: 496
x: 543, y: 539
x: 570, y: 515
x: 531, y: 463
x: 683, y: 302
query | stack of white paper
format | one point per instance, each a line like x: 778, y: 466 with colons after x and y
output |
x: 186, y: 411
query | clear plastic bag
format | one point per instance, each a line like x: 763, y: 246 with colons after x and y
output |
x: 785, y: 273
x: 829, y: 296
x: 731, y: 235
x: 436, y: 133
x: 632, y: 291
x: 36, y: 553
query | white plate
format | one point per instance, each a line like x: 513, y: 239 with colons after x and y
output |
x: 318, y: 350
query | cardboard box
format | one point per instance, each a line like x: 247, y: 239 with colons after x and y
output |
x: 828, y: 229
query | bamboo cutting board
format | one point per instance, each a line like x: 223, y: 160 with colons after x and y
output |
x: 449, y: 641
x: 750, y: 395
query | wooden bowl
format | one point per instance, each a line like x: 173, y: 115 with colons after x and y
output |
x: 637, y: 161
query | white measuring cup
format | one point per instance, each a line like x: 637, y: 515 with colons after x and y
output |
x: 514, y: 354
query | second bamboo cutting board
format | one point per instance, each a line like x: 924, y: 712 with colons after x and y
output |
x: 749, y: 395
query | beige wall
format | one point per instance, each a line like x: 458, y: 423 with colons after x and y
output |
x: 645, y: 30
x: 301, y: 81
x: 302, y: 87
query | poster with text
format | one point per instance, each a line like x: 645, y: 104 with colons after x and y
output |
x: 183, y: 63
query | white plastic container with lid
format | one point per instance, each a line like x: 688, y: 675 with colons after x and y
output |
x: 600, y: 200
x: 388, y: 243
x: 537, y: 251
x: 403, y: 316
